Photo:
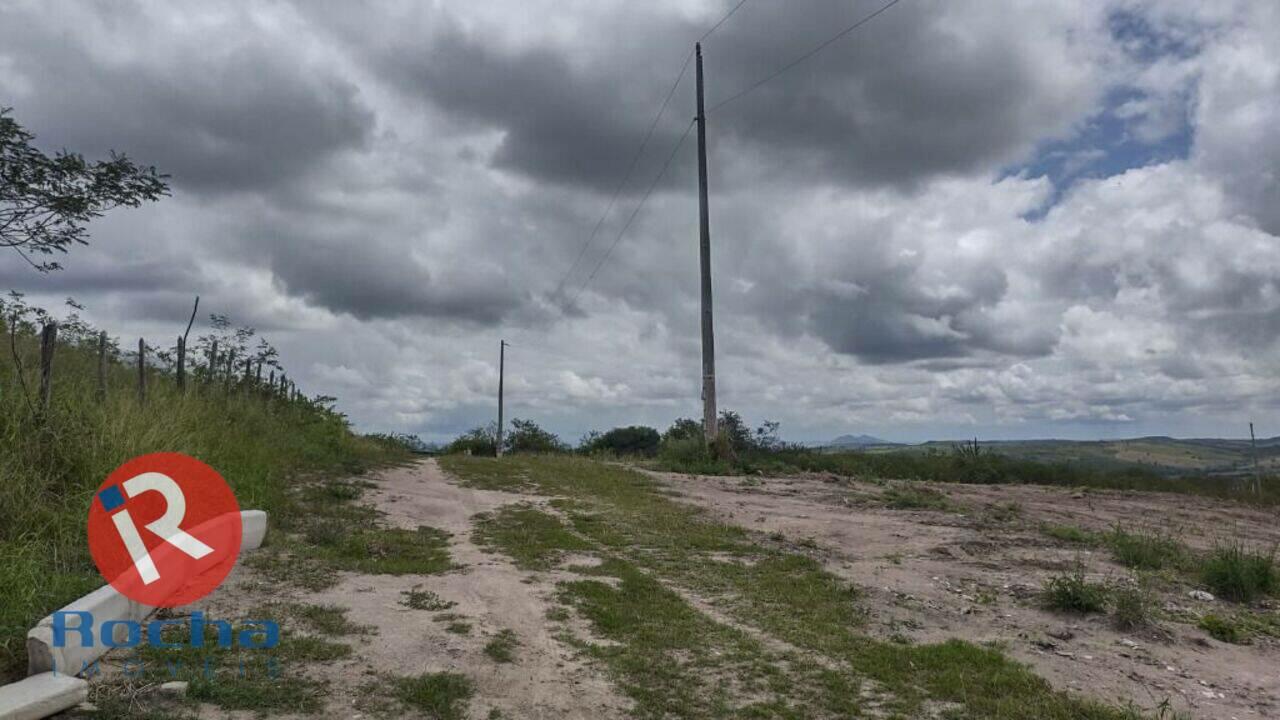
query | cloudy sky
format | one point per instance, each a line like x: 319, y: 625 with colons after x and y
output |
x: 1002, y: 219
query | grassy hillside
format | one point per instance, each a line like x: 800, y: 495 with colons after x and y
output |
x: 50, y: 462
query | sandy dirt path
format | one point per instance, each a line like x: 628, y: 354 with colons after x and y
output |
x: 932, y: 575
x: 545, y: 681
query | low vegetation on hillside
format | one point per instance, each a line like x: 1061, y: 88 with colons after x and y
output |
x: 742, y: 450
x: 54, y: 457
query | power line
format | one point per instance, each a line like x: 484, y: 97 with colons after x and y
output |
x: 635, y: 160
x: 805, y: 56
x: 715, y: 27
x: 635, y: 212
x: 625, y: 178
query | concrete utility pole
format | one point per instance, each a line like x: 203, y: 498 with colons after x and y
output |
x: 502, y: 360
x: 708, y: 339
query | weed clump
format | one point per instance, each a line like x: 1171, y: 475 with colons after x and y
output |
x: 502, y: 648
x: 1145, y: 549
x: 1073, y: 592
x: 424, y: 600
x: 1132, y: 607
x: 1237, y: 573
x: 1225, y: 629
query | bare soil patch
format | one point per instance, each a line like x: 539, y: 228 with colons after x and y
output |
x: 975, y: 573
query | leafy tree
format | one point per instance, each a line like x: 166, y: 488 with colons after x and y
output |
x: 46, y: 201
x: 632, y: 440
x: 480, y: 441
x: 735, y: 431
x: 527, y: 436
x: 683, y: 429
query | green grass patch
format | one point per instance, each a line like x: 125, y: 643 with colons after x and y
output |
x: 915, y: 497
x: 235, y: 678
x: 502, y: 648
x: 1071, y: 534
x: 439, y: 696
x: 534, y: 539
x: 1236, y: 572
x: 328, y: 620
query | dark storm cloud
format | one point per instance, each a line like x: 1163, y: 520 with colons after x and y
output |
x: 906, y: 100
x: 246, y: 120
x: 579, y: 127
x: 369, y: 278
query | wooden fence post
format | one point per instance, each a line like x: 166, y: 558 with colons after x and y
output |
x: 212, y: 371
x: 182, y: 363
x: 102, y: 366
x: 48, y: 341
x: 142, y: 370
x: 231, y: 370
x: 257, y: 380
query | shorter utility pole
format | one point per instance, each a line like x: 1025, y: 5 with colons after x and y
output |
x: 502, y: 362
x: 1257, y: 473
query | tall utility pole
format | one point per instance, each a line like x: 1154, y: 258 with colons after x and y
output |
x: 502, y: 361
x: 704, y: 249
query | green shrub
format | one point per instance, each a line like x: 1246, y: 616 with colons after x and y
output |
x: 476, y: 441
x: 690, y: 455
x: 1225, y: 629
x: 1237, y: 573
x: 1072, y: 592
x: 631, y: 440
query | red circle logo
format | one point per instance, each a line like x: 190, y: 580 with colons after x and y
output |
x: 164, y: 529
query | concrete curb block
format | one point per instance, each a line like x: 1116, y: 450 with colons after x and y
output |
x: 42, y: 695
x: 253, y: 529
x: 107, y: 604
x: 104, y: 604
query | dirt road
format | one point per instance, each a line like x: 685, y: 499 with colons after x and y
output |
x: 971, y: 569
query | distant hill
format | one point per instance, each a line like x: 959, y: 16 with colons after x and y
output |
x: 857, y: 441
x: 1171, y: 456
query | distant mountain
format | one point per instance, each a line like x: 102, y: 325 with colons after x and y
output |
x: 857, y: 441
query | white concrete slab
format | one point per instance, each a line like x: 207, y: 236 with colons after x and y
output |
x: 40, y: 696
